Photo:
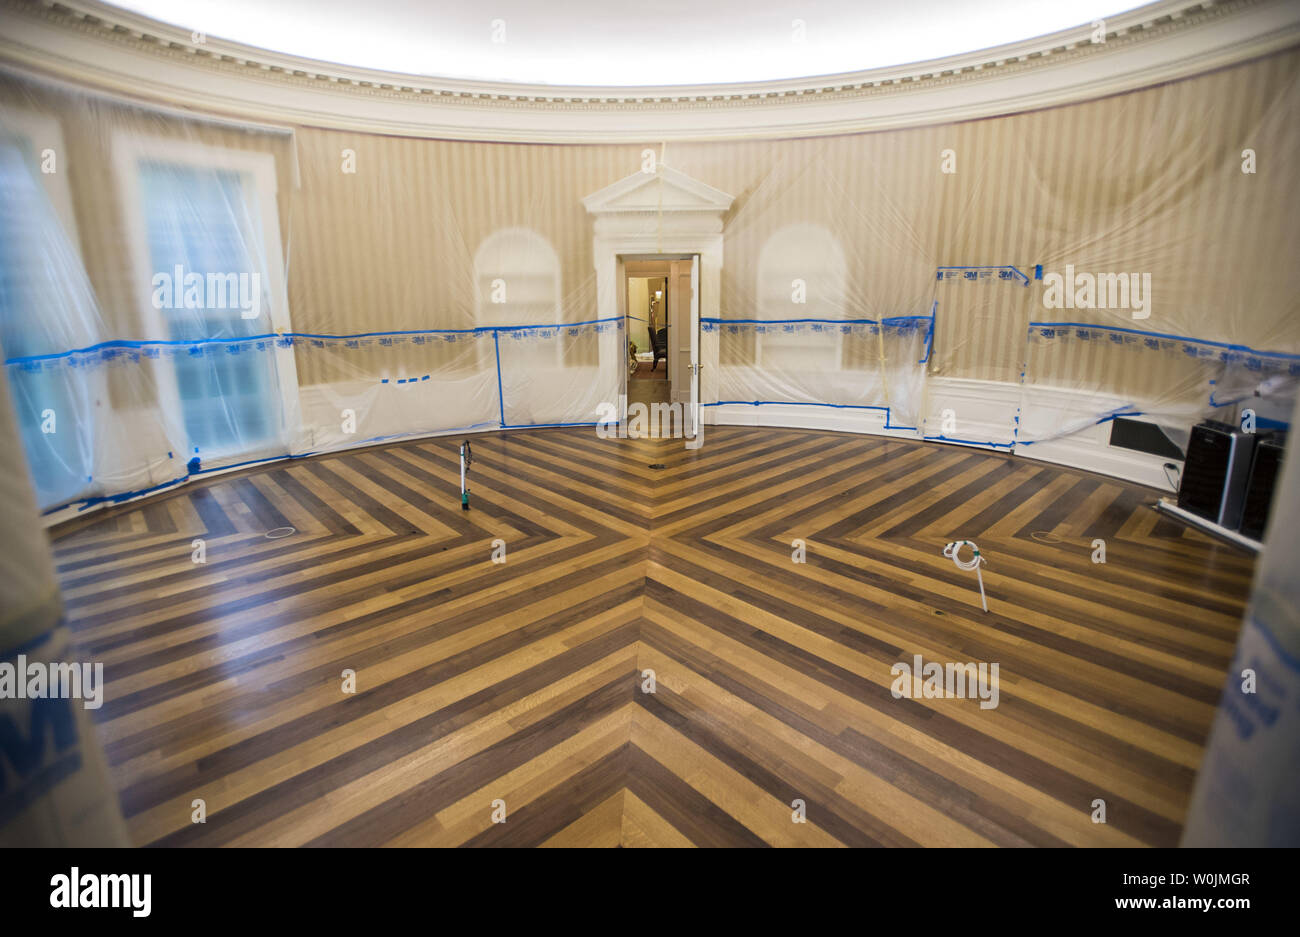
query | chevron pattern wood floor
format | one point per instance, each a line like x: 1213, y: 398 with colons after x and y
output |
x: 520, y: 685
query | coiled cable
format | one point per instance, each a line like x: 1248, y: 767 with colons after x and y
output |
x: 953, y: 552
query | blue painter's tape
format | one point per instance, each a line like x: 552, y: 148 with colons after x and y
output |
x: 545, y: 425
x: 806, y: 403
x: 1010, y: 271
x: 929, y: 333
x: 117, y: 498
x: 889, y: 320
x: 501, y: 394
x: 1278, y: 647
x: 123, y: 343
x: 1245, y: 349
x: 716, y: 321
x: 492, y: 424
x: 974, y: 442
x: 289, y: 337
x: 1105, y: 419
x: 30, y: 643
x: 85, y: 503
x: 1038, y: 271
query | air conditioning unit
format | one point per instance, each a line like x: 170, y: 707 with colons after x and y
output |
x: 1215, y: 473
x: 1264, y: 471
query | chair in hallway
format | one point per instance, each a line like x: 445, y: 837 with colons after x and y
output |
x: 659, y: 345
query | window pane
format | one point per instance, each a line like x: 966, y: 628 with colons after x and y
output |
x: 203, y: 238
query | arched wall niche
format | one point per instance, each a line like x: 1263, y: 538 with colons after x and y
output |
x: 801, y: 275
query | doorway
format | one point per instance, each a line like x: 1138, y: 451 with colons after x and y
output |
x: 661, y: 296
x: 687, y: 226
x: 648, y: 319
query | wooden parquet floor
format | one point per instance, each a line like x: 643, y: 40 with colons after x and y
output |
x: 484, y: 687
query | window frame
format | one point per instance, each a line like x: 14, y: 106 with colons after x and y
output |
x: 128, y: 151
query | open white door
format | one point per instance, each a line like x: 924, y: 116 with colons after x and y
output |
x: 694, y: 418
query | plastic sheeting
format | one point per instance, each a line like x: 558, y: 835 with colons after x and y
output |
x: 180, y: 295
x: 186, y: 359
x: 1209, y: 324
x: 47, y: 307
x: 857, y: 364
x: 56, y: 788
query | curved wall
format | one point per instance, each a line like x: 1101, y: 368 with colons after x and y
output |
x: 1148, y: 181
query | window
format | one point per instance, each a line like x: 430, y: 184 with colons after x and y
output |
x: 204, y: 232
x: 46, y: 308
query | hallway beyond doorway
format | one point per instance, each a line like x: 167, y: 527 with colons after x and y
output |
x: 648, y: 328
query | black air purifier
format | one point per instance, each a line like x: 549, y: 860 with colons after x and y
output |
x: 1215, y: 472
x: 1264, y: 471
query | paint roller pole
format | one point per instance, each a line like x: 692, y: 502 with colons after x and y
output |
x: 465, y: 459
x: 953, y: 551
x: 54, y: 784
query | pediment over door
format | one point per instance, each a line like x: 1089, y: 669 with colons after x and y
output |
x: 666, y: 190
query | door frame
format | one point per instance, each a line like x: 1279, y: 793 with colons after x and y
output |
x: 611, y: 294
x: 656, y: 212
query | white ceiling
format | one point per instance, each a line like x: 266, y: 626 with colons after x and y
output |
x: 616, y: 42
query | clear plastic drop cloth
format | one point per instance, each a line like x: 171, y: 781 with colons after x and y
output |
x: 146, y: 284
x: 180, y: 295
x: 1140, y: 313
x: 42, y: 283
x: 143, y: 308
x: 806, y: 318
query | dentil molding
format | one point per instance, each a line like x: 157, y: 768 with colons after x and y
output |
x: 90, y: 44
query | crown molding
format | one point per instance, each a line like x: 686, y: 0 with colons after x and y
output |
x: 92, y: 45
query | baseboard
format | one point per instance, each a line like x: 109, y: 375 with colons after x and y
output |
x: 798, y: 416
x: 1091, y: 455
x: 967, y: 412
x: 75, y: 510
x: 1045, y: 407
x: 984, y: 415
